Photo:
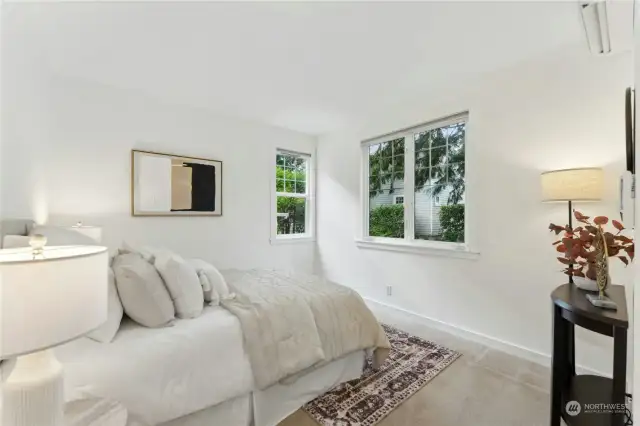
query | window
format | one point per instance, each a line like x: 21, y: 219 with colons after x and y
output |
x: 293, y: 196
x: 415, y: 181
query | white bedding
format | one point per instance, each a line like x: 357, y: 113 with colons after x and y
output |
x: 294, y: 322
x: 275, y: 403
x: 272, y: 405
x: 166, y: 373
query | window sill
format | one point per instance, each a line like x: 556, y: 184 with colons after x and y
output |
x: 297, y: 239
x: 458, y: 252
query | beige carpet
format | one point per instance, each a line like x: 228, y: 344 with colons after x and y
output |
x: 484, y: 387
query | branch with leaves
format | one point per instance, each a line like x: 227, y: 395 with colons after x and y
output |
x: 578, y: 248
x: 439, y: 163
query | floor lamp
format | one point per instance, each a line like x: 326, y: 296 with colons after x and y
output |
x: 571, y: 185
x: 48, y: 296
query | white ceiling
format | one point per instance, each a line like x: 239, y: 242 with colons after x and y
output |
x: 310, y: 67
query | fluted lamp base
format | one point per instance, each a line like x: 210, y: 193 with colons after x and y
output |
x: 33, y: 390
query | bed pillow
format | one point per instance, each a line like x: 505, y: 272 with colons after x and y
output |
x: 219, y: 287
x: 144, y: 297
x: 210, y: 295
x: 15, y: 241
x: 148, y: 253
x: 107, y: 331
x: 58, y: 236
x: 183, y: 284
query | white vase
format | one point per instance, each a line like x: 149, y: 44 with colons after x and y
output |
x: 586, y: 283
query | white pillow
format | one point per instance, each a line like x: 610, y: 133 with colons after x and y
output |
x: 148, y: 253
x: 58, y: 236
x: 15, y: 241
x: 210, y: 295
x: 144, y: 297
x: 183, y: 284
x: 107, y: 331
x: 215, y: 278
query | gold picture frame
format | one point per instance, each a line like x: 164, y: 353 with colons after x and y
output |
x: 157, y: 189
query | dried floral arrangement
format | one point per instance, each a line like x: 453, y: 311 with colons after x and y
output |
x: 578, y: 245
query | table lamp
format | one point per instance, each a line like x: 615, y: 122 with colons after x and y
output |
x: 48, y: 296
x: 569, y: 185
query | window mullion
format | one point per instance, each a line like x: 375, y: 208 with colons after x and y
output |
x: 409, y: 184
x: 308, y: 207
x: 291, y: 195
x: 365, y: 191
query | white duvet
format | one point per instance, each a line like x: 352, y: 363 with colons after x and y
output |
x: 162, y: 374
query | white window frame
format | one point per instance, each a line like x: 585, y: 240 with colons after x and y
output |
x: 395, y: 199
x: 310, y: 208
x: 409, y: 243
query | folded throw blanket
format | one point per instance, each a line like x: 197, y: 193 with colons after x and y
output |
x: 292, y: 322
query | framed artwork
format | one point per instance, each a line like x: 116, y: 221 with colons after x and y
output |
x: 174, y: 185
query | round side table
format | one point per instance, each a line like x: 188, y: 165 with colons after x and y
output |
x: 572, y: 394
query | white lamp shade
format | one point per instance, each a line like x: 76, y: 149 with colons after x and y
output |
x: 93, y: 232
x: 50, y: 300
x: 585, y: 184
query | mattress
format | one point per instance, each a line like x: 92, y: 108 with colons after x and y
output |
x: 165, y: 373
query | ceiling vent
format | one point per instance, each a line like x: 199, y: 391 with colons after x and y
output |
x: 596, y: 26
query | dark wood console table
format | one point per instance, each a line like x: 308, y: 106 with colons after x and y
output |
x: 570, y: 308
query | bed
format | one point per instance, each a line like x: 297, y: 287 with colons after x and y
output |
x: 283, y: 340
x: 195, y: 372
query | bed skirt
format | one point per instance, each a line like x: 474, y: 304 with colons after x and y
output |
x: 272, y: 405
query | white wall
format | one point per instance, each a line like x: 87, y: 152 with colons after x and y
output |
x: 66, y: 153
x: 565, y: 111
x: 636, y: 278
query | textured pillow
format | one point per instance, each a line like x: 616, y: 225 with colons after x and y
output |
x: 15, y: 241
x: 144, y: 297
x: 107, y: 331
x: 148, y: 253
x: 57, y: 236
x: 210, y: 295
x: 220, y: 289
x: 183, y: 284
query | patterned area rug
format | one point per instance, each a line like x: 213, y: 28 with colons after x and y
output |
x: 412, y: 363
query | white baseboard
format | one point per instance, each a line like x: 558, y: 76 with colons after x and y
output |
x: 483, y: 339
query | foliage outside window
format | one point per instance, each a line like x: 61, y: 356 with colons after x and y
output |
x: 292, y: 193
x: 452, y: 222
x: 387, y: 221
x: 424, y: 167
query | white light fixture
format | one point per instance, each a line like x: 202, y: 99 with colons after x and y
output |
x: 93, y: 232
x: 583, y: 184
x: 596, y: 26
x: 45, y: 300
